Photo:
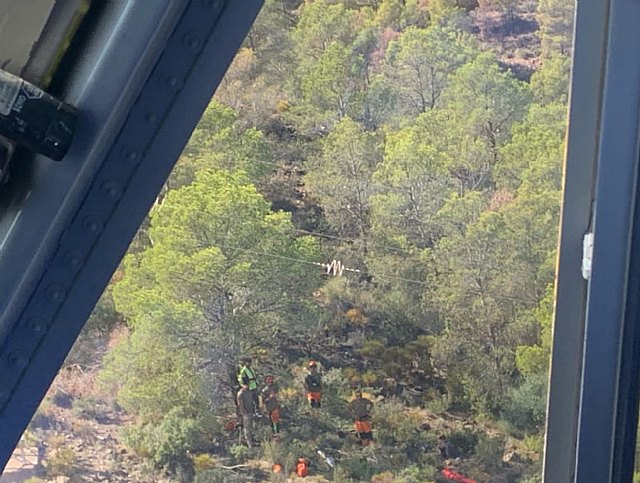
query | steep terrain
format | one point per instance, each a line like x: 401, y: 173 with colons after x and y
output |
x: 405, y: 140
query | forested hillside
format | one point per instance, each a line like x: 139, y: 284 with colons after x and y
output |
x: 418, y: 145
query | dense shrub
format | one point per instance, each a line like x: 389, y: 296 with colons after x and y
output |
x: 526, y: 407
x: 489, y: 451
x: 169, y: 443
x: 60, y: 460
x: 465, y: 440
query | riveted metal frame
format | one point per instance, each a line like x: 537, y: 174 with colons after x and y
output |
x: 48, y: 309
x: 610, y: 308
x: 589, y: 54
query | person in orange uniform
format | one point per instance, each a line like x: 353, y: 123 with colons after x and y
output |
x: 360, y: 409
x: 313, y: 385
x: 271, y: 403
x: 302, y: 467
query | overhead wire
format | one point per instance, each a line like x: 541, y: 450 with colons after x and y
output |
x: 378, y: 183
x: 366, y: 240
x: 383, y: 276
x: 331, y: 265
x: 377, y: 245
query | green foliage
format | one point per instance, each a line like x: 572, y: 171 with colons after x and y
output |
x: 240, y: 453
x: 535, y: 443
x: 534, y: 154
x: 329, y: 72
x: 465, y: 440
x: 413, y: 169
x: 389, y: 129
x: 104, y: 317
x: 489, y: 451
x: 93, y: 337
x: 320, y: 24
x: 204, y: 462
x: 422, y: 60
x: 556, y: 25
x: 151, y: 376
x: 393, y: 423
x: 550, y: 84
x: 221, y: 142
x: 526, y: 408
x: 534, y: 359
x: 61, y: 462
x: 201, y: 292
x: 485, y: 101
x: 392, y: 361
x: 169, y: 442
x: 399, y: 14
x: 341, y: 178
x: 416, y: 474
x: 331, y: 84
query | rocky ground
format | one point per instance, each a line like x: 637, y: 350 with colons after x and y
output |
x: 76, y: 439
x: 512, y: 34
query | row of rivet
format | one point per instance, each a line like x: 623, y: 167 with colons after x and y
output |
x: 37, y: 325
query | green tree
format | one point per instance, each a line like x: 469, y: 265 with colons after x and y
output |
x: 476, y: 347
x: 222, y: 276
x: 555, y: 18
x: 329, y: 74
x: 400, y: 14
x: 332, y: 84
x: 321, y: 23
x: 341, y: 178
x: 269, y: 37
x: 484, y: 102
x: 535, y: 151
x: 526, y: 408
x: 534, y: 359
x: 413, y: 183
x: 222, y: 142
x: 550, y: 83
x: 422, y: 60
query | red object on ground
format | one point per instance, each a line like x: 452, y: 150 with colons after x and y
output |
x: 302, y: 468
x: 455, y: 476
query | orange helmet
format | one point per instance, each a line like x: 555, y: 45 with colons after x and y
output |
x: 313, y: 364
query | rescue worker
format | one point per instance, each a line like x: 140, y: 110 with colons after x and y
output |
x: 448, y: 450
x: 247, y: 376
x: 360, y: 409
x: 271, y: 403
x: 313, y: 385
x: 302, y: 467
x: 246, y: 410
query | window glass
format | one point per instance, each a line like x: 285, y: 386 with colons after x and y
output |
x: 367, y: 211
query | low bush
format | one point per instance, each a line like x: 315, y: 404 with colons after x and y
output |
x: 61, y: 462
x: 169, y: 443
x: 465, y: 440
x: 240, y: 453
x: 204, y: 462
x: 489, y: 451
